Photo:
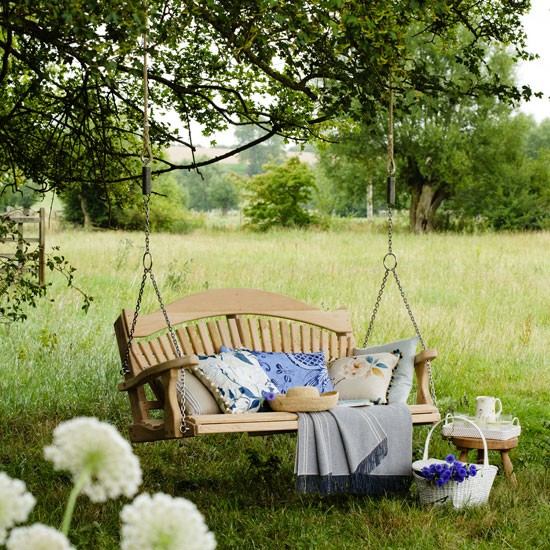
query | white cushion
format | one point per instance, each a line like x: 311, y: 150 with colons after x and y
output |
x: 363, y: 376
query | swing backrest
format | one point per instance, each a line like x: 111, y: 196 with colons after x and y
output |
x: 236, y: 318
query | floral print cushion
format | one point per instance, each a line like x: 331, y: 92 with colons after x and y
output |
x: 235, y: 379
x: 403, y: 374
x: 363, y: 376
x: 286, y: 370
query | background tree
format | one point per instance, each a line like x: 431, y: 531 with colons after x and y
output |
x: 22, y: 196
x: 508, y: 186
x: 348, y: 164
x: 435, y: 143
x: 122, y: 207
x: 255, y: 158
x: 279, y: 196
x: 492, y: 170
x: 70, y: 72
x: 214, y: 188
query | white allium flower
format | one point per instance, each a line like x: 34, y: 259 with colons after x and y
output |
x: 37, y: 537
x: 15, y: 504
x: 88, y: 445
x: 162, y: 522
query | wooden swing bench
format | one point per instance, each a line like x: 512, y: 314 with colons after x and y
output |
x: 235, y: 318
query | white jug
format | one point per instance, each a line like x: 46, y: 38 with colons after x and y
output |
x: 486, y: 408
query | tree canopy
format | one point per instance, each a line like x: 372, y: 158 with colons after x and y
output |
x: 70, y: 72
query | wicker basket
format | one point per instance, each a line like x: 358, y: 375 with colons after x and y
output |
x: 471, y: 492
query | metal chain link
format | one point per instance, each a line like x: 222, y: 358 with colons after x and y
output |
x: 125, y: 368
x: 409, y: 310
x: 418, y: 333
x: 376, y: 306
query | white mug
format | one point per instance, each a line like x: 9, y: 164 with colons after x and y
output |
x: 486, y: 408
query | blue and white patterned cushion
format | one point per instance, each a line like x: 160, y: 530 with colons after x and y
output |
x: 235, y: 379
x: 286, y: 370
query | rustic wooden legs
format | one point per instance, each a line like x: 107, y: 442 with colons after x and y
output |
x: 172, y: 413
x: 508, y: 468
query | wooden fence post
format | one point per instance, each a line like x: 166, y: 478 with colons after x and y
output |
x: 20, y: 220
x: 42, y: 246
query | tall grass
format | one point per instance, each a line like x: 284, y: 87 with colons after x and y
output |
x: 482, y: 301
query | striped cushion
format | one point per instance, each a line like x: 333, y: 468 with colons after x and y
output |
x: 198, y: 399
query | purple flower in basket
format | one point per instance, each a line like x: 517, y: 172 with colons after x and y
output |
x: 450, y: 470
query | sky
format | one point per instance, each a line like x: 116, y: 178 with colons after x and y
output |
x: 537, y: 73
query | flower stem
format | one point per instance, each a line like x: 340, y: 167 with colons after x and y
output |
x: 68, y: 516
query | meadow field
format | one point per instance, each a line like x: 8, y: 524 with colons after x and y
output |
x: 482, y: 301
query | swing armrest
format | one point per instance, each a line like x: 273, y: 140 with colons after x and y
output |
x: 423, y: 376
x: 425, y: 355
x: 150, y: 374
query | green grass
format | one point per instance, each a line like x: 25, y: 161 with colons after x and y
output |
x: 482, y: 301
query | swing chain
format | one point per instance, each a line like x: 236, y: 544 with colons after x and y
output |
x: 147, y: 259
x: 148, y: 272
x: 409, y: 310
x: 125, y: 365
x: 390, y: 259
x: 376, y: 306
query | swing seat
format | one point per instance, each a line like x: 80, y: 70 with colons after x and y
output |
x: 235, y: 318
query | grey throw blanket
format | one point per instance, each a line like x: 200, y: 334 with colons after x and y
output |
x: 363, y: 450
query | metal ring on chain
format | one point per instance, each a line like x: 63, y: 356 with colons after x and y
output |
x: 392, y: 260
x: 147, y: 261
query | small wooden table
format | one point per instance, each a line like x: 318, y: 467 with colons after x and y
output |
x: 466, y: 444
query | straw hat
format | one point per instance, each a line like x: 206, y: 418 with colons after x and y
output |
x: 304, y: 399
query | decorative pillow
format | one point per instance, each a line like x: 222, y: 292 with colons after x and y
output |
x: 363, y: 376
x: 235, y: 379
x: 198, y: 400
x: 404, y: 373
x: 286, y: 370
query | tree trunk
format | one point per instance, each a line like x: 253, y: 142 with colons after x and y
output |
x: 424, y: 204
x: 85, y: 213
x: 370, y: 210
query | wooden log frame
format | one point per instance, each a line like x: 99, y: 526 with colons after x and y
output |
x: 235, y: 318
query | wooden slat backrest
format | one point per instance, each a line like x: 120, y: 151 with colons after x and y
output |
x: 253, y: 319
x: 240, y: 301
x: 266, y: 335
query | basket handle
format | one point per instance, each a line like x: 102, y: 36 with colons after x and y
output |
x: 451, y: 416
